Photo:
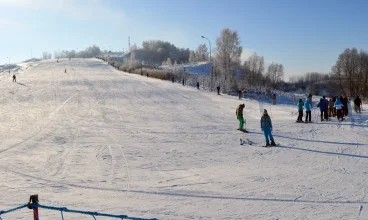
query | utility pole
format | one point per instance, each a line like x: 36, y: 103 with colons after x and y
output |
x: 9, y: 65
x: 128, y: 44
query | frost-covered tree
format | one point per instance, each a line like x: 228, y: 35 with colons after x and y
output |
x: 201, y: 54
x: 228, y: 57
x: 46, y: 55
x: 228, y: 50
x: 192, y: 57
x: 168, y: 62
x: 174, y: 67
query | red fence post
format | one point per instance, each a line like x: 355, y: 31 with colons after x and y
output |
x: 32, y: 204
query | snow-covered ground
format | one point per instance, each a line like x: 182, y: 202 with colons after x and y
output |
x: 98, y: 139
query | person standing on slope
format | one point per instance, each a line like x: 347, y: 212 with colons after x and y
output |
x: 323, y: 107
x: 308, y: 111
x: 239, y: 115
x: 300, y: 110
x: 357, y: 104
x: 266, y: 126
x: 14, y: 78
x: 338, y: 105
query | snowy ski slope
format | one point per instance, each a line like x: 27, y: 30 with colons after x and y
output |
x: 98, y: 139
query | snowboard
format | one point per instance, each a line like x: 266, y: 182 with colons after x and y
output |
x: 277, y: 144
x: 244, y: 131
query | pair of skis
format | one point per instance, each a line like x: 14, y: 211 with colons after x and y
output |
x: 249, y: 142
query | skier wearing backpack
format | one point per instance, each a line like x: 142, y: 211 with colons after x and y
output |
x: 266, y: 126
x: 300, y: 110
x: 239, y: 115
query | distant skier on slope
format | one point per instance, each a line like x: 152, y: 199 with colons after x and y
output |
x: 266, y: 126
x: 239, y: 115
x: 14, y: 78
x: 65, y: 71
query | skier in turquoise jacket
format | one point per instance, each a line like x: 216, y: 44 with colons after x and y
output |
x: 266, y: 126
x: 308, y: 107
x: 300, y: 110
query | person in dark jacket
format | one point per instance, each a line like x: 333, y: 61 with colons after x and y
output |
x: 239, y: 115
x: 266, y: 126
x: 323, y: 106
x: 357, y: 105
x: 218, y: 90
x: 14, y: 78
x: 197, y: 85
x: 240, y: 94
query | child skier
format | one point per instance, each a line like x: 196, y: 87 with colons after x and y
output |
x: 266, y: 126
x: 300, y: 110
x: 239, y: 115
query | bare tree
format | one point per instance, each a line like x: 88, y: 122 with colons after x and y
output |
x: 275, y: 73
x: 255, y: 68
x: 351, y: 68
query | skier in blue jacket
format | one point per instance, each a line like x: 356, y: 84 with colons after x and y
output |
x: 308, y: 107
x: 266, y: 126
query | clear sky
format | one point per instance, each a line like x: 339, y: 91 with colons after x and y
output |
x: 304, y: 36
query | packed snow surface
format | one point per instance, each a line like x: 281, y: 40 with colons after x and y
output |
x: 98, y: 139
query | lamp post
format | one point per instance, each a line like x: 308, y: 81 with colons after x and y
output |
x: 210, y: 62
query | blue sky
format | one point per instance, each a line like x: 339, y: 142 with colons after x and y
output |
x: 304, y: 36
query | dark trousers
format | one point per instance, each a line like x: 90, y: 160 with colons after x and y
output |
x: 300, y: 117
x: 324, y: 114
x: 308, y: 116
x: 340, y: 114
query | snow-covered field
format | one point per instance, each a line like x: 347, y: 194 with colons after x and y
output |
x: 102, y: 140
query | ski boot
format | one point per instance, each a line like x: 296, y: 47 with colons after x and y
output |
x: 273, y: 143
x: 268, y: 144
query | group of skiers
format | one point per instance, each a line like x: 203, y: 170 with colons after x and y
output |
x: 266, y: 125
x: 333, y: 107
